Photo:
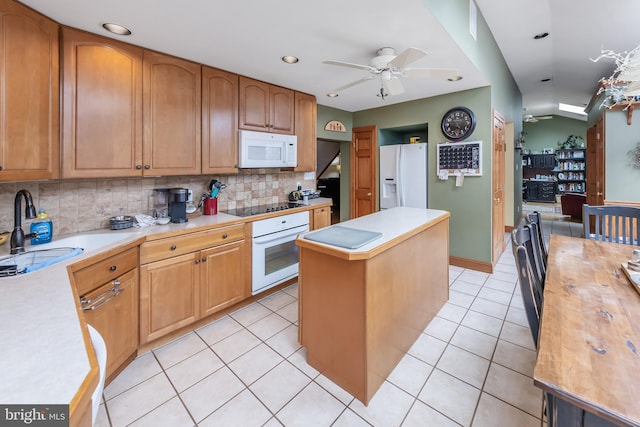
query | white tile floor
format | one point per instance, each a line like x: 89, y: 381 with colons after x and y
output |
x: 472, y: 365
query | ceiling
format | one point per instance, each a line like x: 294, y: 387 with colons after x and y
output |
x: 249, y: 37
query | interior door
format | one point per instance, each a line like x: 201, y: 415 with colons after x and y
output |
x: 499, y: 148
x: 595, y: 163
x: 363, y: 171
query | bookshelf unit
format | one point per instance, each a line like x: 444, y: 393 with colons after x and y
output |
x: 571, y: 170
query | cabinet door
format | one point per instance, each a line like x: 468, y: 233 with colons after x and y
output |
x: 321, y: 217
x: 101, y: 107
x: 219, y: 121
x: 281, y: 106
x: 549, y: 161
x: 223, y: 277
x: 168, y: 295
x: 306, y: 131
x: 29, y: 94
x: 172, y: 115
x: 117, y: 319
x: 253, y: 105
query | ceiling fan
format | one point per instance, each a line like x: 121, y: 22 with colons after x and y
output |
x: 389, y: 67
x: 530, y: 118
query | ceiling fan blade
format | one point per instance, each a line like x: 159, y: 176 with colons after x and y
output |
x: 434, y: 73
x: 406, y: 57
x: 350, y: 65
x: 394, y: 86
x: 357, y: 82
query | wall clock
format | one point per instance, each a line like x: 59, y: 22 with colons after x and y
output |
x: 458, y: 123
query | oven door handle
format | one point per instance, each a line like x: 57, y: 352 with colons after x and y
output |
x: 279, y: 235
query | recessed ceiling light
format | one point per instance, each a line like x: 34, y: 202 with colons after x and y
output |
x: 116, y: 29
x: 455, y: 78
x: 545, y: 80
x: 541, y: 35
x: 332, y: 95
x: 290, y: 59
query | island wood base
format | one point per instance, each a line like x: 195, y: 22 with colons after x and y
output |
x: 359, y: 315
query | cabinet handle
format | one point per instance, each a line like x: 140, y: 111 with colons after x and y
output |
x: 113, y: 268
x: 204, y: 259
x: 173, y: 247
x: 138, y: 167
x: 197, y: 261
x: 103, y: 298
x: 0, y: 168
x: 147, y: 167
x: 225, y: 235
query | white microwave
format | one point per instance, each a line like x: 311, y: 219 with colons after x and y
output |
x: 267, y: 150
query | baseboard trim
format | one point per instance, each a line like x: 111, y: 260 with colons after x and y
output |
x: 485, y: 267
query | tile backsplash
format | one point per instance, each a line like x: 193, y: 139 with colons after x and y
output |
x: 84, y: 205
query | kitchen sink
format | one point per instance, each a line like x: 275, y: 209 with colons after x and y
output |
x: 87, y: 241
x: 29, y: 261
x: 59, y: 249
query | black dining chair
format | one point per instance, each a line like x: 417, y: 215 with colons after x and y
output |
x: 531, y: 283
x: 611, y: 223
x: 540, y: 247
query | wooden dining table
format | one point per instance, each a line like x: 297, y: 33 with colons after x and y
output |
x: 589, y: 342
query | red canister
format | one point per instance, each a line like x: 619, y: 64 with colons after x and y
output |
x: 210, y: 206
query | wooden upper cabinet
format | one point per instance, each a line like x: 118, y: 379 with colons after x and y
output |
x: 29, y: 94
x: 266, y: 108
x: 102, y: 107
x: 306, y: 131
x: 219, y: 121
x: 172, y: 115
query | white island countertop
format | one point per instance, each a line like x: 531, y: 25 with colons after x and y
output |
x: 394, y: 224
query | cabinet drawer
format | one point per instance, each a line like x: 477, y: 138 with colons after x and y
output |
x: 104, y: 271
x: 186, y: 243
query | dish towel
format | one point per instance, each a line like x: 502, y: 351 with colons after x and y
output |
x: 53, y: 260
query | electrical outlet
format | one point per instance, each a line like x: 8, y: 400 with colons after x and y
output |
x: 189, y: 196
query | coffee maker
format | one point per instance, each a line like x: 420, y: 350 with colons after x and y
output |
x: 178, y: 204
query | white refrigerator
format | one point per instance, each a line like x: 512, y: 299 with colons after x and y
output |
x: 403, y: 175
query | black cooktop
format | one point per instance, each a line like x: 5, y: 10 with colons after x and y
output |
x: 260, y: 209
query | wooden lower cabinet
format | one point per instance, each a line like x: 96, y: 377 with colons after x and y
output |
x: 116, y: 319
x: 223, y: 277
x: 168, y: 295
x: 179, y: 290
x: 321, y: 217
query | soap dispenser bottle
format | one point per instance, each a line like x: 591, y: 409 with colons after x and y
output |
x: 43, y: 227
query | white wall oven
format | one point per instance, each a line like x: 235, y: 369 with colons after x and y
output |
x: 275, y: 254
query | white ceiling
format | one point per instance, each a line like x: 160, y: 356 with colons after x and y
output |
x: 249, y: 37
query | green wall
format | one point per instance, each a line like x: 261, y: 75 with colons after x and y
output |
x: 547, y: 133
x: 470, y: 205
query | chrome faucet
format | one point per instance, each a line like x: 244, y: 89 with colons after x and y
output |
x: 17, y: 236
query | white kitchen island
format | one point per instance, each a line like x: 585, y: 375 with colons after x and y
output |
x: 362, y: 308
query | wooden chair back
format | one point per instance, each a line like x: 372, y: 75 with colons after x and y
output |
x: 611, y: 223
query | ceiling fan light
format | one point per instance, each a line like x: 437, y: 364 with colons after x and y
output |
x: 116, y: 29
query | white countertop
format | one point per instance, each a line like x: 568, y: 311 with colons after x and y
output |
x: 392, y: 223
x: 42, y: 352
